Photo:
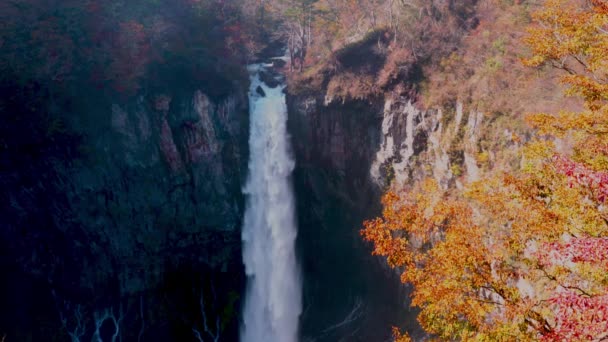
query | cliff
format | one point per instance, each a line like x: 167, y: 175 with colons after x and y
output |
x: 360, y: 126
x: 347, y: 292
x: 347, y: 154
x: 130, y: 202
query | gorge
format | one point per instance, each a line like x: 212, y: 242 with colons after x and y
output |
x: 165, y: 177
x: 159, y: 204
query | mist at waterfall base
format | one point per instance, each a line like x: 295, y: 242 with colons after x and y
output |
x: 273, y: 299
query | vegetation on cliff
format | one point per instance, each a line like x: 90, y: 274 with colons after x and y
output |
x: 121, y: 46
x: 360, y: 49
x: 518, y: 255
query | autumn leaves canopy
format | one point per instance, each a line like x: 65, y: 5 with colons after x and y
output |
x: 521, y: 255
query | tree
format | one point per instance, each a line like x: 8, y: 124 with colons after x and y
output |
x: 296, y: 17
x: 522, y: 255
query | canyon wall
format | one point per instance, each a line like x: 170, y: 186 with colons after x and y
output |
x: 349, y: 150
x: 140, y: 209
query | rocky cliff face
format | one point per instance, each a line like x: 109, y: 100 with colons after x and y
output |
x: 348, y: 294
x: 169, y: 185
x: 147, y: 208
x: 416, y: 144
x: 347, y: 153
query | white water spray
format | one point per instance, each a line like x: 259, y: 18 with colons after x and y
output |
x: 273, y: 301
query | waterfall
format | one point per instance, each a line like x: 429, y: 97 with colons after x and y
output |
x: 273, y: 299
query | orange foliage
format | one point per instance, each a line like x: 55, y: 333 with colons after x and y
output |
x: 571, y: 36
x: 519, y: 256
x: 486, y: 72
x: 461, y: 284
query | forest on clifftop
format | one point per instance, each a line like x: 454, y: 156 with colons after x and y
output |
x: 515, y: 250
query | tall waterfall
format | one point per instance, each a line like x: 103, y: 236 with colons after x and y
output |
x: 273, y: 302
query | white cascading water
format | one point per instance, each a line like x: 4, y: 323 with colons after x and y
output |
x: 273, y: 300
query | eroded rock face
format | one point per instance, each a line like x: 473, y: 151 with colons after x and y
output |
x: 415, y: 144
x: 161, y: 182
x: 404, y: 129
x: 348, y: 294
x: 148, y: 208
x: 347, y: 154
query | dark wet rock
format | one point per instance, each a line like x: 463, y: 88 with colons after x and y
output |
x: 145, y: 191
x: 335, y: 146
x: 260, y: 91
x: 278, y: 63
x: 269, y: 78
x: 275, y: 47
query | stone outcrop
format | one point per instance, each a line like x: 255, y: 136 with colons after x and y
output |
x: 416, y: 143
x: 347, y: 154
x: 348, y: 294
x: 144, y: 204
x: 160, y: 182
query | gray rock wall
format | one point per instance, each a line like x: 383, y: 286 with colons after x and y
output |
x: 160, y: 183
x: 132, y: 206
x: 348, y: 294
x: 347, y: 154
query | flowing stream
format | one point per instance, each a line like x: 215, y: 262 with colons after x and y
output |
x: 273, y: 299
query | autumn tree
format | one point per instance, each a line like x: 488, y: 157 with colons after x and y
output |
x: 572, y: 36
x: 120, y: 45
x: 520, y: 256
x: 296, y: 18
x: 465, y: 280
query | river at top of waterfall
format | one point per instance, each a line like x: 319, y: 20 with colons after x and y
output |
x: 273, y: 300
